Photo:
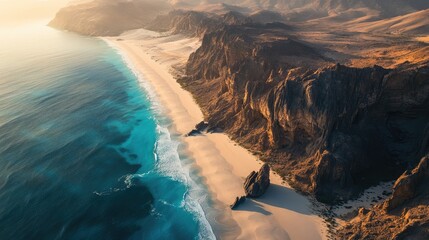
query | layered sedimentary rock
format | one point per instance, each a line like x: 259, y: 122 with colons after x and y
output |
x: 333, y: 129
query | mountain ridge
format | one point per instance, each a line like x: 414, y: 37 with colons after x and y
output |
x: 109, y: 18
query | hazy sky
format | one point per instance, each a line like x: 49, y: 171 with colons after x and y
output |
x: 27, y: 10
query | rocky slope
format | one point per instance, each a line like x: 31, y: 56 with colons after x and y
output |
x: 195, y: 24
x: 112, y: 17
x: 403, y: 216
x: 299, y: 10
x: 332, y: 129
x: 107, y: 18
x: 416, y: 23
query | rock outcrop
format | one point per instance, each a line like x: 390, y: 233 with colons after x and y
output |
x: 403, y: 216
x: 195, y: 24
x: 199, y: 129
x: 406, y: 187
x: 193, y: 133
x: 257, y: 183
x: 202, y: 126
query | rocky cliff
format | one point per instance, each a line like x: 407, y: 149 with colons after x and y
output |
x: 195, y: 24
x: 332, y: 129
x: 402, y: 216
x: 112, y: 17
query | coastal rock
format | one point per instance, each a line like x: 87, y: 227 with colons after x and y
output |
x: 202, y: 126
x: 214, y: 130
x: 403, y: 216
x: 238, y: 201
x: 193, y: 133
x: 406, y: 186
x: 199, y: 128
x: 257, y: 183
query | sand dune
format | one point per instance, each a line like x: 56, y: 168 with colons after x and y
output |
x: 413, y: 23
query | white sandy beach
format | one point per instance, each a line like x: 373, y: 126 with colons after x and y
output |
x: 281, y: 213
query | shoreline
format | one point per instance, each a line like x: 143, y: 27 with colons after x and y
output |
x: 281, y: 213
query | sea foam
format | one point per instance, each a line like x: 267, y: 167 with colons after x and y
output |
x: 167, y: 158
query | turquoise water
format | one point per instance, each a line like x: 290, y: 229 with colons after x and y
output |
x: 85, y: 152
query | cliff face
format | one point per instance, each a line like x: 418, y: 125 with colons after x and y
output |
x: 407, y: 185
x: 333, y: 129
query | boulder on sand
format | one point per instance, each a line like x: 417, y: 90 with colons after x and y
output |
x: 199, y: 128
x: 202, y: 126
x: 257, y: 183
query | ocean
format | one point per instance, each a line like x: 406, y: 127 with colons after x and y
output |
x: 85, y: 150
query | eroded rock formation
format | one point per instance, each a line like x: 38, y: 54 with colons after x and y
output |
x: 406, y: 187
x: 257, y: 183
x: 193, y: 23
x: 403, y: 216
